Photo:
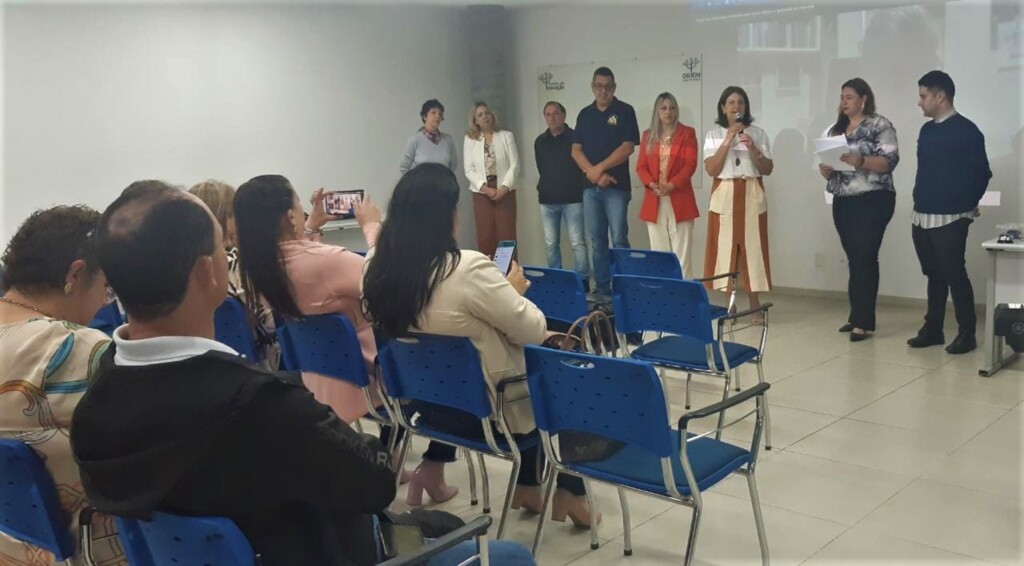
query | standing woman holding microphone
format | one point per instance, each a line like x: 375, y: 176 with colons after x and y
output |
x: 491, y: 166
x: 665, y: 166
x: 737, y: 156
x: 864, y: 199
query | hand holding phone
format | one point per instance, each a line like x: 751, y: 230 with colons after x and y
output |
x: 503, y: 255
x: 342, y: 203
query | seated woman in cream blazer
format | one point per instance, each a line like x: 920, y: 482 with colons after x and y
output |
x: 418, y: 280
x: 492, y: 166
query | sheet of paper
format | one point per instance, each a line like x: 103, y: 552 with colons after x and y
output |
x: 828, y: 198
x: 991, y: 198
x: 831, y: 157
x: 821, y: 144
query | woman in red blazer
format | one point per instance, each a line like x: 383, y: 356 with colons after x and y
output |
x: 667, y: 161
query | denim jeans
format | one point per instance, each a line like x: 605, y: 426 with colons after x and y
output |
x: 604, y: 211
x: 573, y: 214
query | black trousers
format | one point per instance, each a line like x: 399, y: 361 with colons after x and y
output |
x: 941, y: 252
x: 466, y: 425
x: 861, y: 221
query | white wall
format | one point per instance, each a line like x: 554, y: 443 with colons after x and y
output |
x: 98, y: 97
x: 804, y: 247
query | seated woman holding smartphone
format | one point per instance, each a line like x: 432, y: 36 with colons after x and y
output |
x: 283, y: 261
x: 418, y: 280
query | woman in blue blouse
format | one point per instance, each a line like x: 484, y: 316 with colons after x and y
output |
x: 864, y: 199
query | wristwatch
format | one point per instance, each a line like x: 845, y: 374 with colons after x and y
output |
x: 311, y: 233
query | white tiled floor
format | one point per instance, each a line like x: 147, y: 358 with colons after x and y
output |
x: 883, y: 455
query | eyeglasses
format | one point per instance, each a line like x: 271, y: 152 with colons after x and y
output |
x: 610, y: 87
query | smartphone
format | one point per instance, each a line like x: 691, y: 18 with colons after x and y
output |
x: 342, y: 203
x: 503, y: 255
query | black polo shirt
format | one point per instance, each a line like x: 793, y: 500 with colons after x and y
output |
x: 561, y: 180
x: 601, y: 133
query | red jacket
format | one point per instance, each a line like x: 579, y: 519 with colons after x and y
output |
x: 682, y: 162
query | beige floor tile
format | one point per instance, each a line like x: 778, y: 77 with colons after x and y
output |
x: 835, y: 491
x: 842, y: 385
x: 894, y: 349
x: 1004, y: 393
x: 975, y: 360
x: 726, y: 536
x: 859, y: 546
x: 958, y: 420
x: 953, y: 518
x: 983, y: 467
x: 879, y: 447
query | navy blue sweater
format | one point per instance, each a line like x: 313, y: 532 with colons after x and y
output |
x: 952, y: 167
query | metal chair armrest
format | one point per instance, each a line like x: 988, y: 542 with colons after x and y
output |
x: 748, y: 312
x: 476, y: 527
x: 720, y: 406
x: 733, y: 274
x: 503, y: 384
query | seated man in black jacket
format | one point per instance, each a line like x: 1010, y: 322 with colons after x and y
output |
x: 180, y: 423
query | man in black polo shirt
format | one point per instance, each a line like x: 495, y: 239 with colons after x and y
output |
x: 561, y: 190
x: 606, y: 132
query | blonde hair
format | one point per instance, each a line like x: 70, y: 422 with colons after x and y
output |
x: 654, y: 137
x: 220, y: 197
x: 474, y: 131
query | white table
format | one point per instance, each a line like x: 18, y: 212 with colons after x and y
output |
x: 1005, y: 285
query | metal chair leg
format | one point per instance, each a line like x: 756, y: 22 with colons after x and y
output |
x: 472, y: 477
x: 691, y: 543
x: 627, y: 535
x: 549, y: 491
x: 85, y: 536
x: 721, y: 414
x: 767, y: 413
x: 594, y: 513
x: 486, y: 483
x: 737, y: 387
x: 755, y: 501
x: 689, y: 377
x: 402, y: 454
x: 356, y: 424
x: 509, y: 494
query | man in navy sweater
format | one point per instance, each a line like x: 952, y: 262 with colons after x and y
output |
x: 952, y: 175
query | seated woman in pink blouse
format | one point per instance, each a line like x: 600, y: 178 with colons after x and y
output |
x: 283, y: 260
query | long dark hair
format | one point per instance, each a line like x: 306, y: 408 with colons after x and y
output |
x: 416, y: 250
x: 260, y: 205
x: 860, y: 86
x: 722, y: 119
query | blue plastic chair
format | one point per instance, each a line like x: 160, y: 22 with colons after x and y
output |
x: 327, y: 344
x: 107, y: 319
x: 624, y: 400
x: 649, y: 263
x: 681, y: 311
x: 172, y: 539
x: 232, y: 327
x: 446, y: 370
x: 29, y: 507
x: 558, y: 293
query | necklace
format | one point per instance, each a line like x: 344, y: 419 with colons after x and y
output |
x: 24, y: 306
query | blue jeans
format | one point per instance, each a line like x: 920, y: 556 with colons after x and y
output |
x: 573, y: 214
x: 604, y: 211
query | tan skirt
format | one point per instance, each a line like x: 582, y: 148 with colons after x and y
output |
x: 738, y: 235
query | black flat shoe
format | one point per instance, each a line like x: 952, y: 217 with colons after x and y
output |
x: 962, y: 344
x: 925, y: 340
x: 846, y: 328
x: 855, y: 337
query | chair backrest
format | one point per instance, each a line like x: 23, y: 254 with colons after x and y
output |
x: 232, y: 327
x: 675, y: 306
x: 172, y: 539
x: 107, y: 319
x: 612, y: 397
x: 645, y: 263
x: 29, y: 507
x: 326, y: 344
x: 558, y: 293
x: 442, y: 370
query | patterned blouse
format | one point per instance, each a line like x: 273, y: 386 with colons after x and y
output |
x: 263, y: 317
x: 46, y: 367
x: 874, y: 136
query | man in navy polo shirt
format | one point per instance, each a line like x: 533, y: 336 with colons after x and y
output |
x: 606, y: 132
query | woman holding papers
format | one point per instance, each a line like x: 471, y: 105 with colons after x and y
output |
x: 667, y: 161
x: 737, y: 155
x: 864, y: 196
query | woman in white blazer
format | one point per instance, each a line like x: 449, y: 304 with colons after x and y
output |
x: 492, y: 167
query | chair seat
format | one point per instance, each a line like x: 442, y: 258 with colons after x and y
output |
x: 718, y: 312
x: 524, y: 442
x: 687, y: 353
x: 634, y: 466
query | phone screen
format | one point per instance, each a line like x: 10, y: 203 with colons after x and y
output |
x: 503, y: 255
x: 342, y: 203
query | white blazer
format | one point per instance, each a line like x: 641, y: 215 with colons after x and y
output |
x: 505, y: 155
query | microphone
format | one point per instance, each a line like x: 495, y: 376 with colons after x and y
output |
x: 739, y: 119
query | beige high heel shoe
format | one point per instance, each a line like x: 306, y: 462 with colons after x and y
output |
x: 574, y: 506
x: 429, y: 477
x: 528, y: 497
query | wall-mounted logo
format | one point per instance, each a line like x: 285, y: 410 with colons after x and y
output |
x: 692, y: 65
x: 550, y: 83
